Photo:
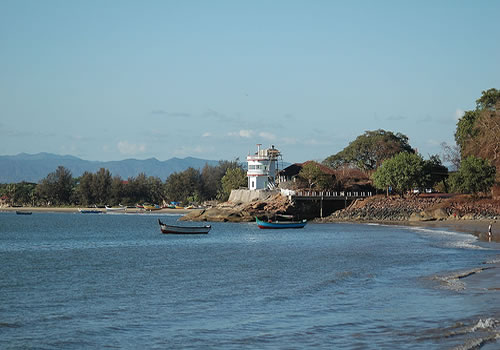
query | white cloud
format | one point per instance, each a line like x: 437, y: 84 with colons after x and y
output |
x: 242, y: 133
x: 207, y: 134
x: 246, y: 133
x: 459, y: 114
x: 267, y: 136
x: 127, y: 148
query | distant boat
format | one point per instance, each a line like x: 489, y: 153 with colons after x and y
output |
x: 89, y: 211
x: 151, y: 207
x: 22, y: 212
x: 121, y: 208
x: 183, y: 229
x: 277, y: 224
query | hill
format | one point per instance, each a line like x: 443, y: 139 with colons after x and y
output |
x: 34, y: 167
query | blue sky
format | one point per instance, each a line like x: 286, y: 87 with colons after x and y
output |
x: 109, y: 80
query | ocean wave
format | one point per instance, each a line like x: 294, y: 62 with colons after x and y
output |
x: 493, y: 261
x: 472, y: 334
x: 483, y: 331
x: 454, y: 281
x: 455, y: 239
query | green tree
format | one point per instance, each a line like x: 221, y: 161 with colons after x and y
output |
x: 184, y: 186
x: 402, y: 172
x: 466, y: 129
x: 369, y: 150
x: 156, y: 190
x: 118, y: 194
x: 57, y: 187
x: 137, y: 189
x: 478, y: 131
x: 474, y: 176
x: 101, y: 186
x: 85, y: 189
x: 312, y: 174
x: 24, y: 193
x: 488, y: 99
x: 211, y: 177
x: 434, y: 172
x: 233, y: 179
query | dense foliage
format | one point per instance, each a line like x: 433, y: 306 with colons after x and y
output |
x: 369, y: 150
x: 233, y: 179
x: 402, y: 173
x: 474, y: 176
x: 478, y: 131
x: 101, y: 188
x: 407, y: 171
x: 314, y: 177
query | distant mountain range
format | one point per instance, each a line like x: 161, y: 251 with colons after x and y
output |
x: 34, y: 167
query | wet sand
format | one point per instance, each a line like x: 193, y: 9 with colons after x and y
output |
x: 484, y: 278
x: 478, y: 228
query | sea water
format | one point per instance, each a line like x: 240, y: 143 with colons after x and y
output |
x: 73, y: 281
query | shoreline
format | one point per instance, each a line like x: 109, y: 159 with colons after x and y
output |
x: 103, y: 210
x: 477, y: 228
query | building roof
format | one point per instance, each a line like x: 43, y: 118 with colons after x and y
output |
x: 295, y: 169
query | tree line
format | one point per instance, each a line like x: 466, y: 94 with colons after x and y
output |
x: 385, y: 158
x: 393, y: 164
x: 60, y: 188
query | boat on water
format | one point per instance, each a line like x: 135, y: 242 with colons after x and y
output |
x: 23, y: 212
x: 277, y: 224
x: 90, y: 211
x: 183, y: 229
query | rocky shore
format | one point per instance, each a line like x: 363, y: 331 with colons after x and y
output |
x: 394, y: 208
x: 243, y: 212
x: 374, y: 209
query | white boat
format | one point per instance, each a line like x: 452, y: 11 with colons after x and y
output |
x: 121, y: 208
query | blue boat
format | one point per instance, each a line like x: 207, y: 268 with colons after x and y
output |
x: 277, y: 224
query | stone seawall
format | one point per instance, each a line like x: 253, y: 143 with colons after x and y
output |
x: 381, y: 208
x: 247, y: 196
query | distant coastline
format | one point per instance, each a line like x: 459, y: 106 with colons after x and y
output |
x: 476, y: 227
x: 75, y: 210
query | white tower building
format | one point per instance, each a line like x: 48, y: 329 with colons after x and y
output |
x: 262, y: 168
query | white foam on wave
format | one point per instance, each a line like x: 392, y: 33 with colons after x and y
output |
x: 456, y: 239
x: 484, y: 331
x: 493, y: 261
x: 485, y: 324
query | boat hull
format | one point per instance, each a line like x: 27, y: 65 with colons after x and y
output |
x: 119, y: 209
x: 183, y: 230
x: 90, y: 211
x: 280, y: 224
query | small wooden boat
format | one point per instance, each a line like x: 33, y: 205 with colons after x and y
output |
x: 89, y: 211
x: 277, y: 224
x: 183, y: 229
x: 22, y: 212
x: 151, y: 207
x: 120, y: 208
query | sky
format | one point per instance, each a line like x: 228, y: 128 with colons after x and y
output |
x: 116, y: 79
